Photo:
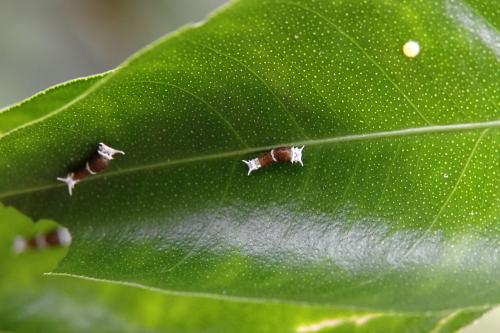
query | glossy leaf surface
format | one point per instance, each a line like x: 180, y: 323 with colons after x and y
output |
x: 63, y: 304
x: 30, y: 302
x: 395, y: 209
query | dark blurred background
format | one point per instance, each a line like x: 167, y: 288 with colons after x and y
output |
x: 44, y: 42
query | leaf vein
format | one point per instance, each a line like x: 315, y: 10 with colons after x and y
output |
x: 207, y: 226
x: 283, y: 107
x: 313, y: 142
x: 452, y: 192
x: 214, y: 110
x: 363, y: 51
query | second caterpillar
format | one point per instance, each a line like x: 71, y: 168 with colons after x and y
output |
x: 280, y: 154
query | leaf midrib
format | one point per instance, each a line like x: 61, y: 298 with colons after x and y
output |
x: 414, y: 131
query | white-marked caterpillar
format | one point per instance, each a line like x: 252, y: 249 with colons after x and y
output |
x: 96, y: 163
x: 281, y: 154
x: 57, y: 237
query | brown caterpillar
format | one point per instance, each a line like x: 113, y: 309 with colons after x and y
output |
x: 96, y: 163
x: 281, y: 154
x: 57, y: 237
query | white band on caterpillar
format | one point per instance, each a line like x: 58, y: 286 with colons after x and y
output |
x: 40, y: 241
x: 87, y: 166
x: 272, y: 156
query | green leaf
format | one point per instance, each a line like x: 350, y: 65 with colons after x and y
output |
x: 20, y: 270
x: 395, y: 209
x: 42, y: 104
x: 63, y: 304
x: 32, y: 303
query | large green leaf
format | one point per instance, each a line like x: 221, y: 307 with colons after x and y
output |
x: 31, y: 303
x: 396, y: 208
